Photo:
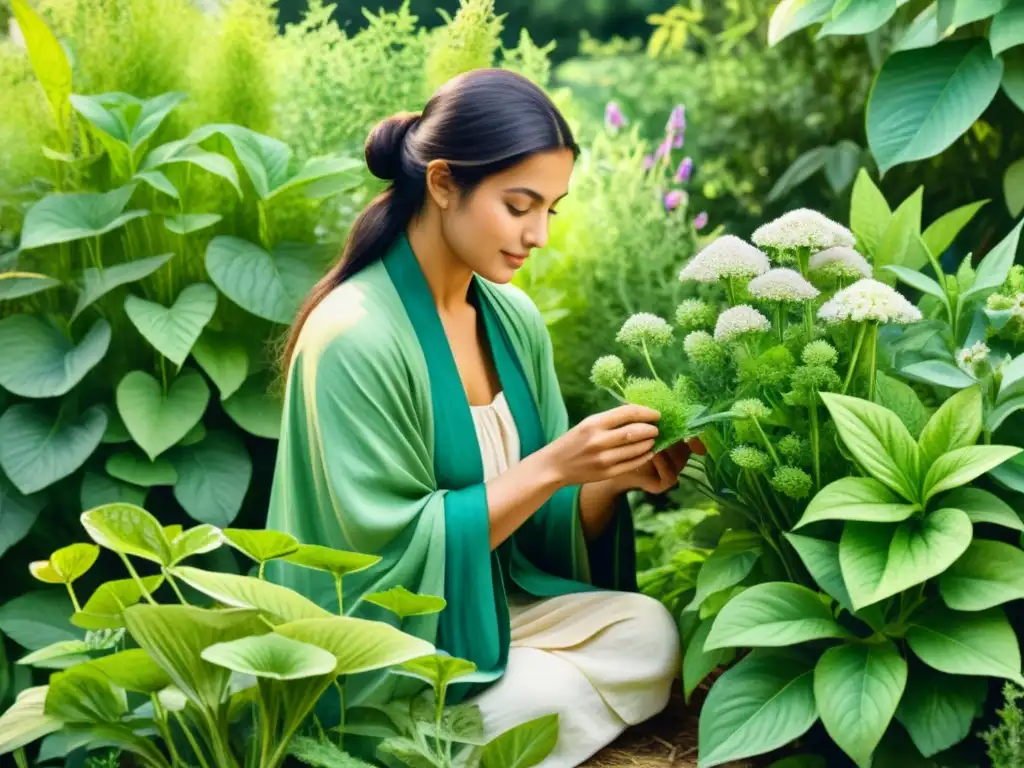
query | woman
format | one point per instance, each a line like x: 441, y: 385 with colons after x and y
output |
x: 423, y: 423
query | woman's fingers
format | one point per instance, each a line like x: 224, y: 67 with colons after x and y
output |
x: 696, y: 446
x: 629, y: 434
x: 625, y: 414
x: 627, y: 453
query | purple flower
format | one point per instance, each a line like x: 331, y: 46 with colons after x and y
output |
x: 664, y: 148
x: 613, y: 117
x: 677, y: 140
x: 677, y: 120
x: 648, y: 162
x: 673, y: 199
x: 685, y: 169
x: 700, y: 220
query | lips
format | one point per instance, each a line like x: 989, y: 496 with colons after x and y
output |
x: 515, y: 256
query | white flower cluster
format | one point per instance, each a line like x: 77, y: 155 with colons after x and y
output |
x: 782, y: 284
x: 727, y: 257
x: 868, y: 299
x: 645, y: 328
x: 840, y: 261
x: 736, y: 321
x: 802, y: 228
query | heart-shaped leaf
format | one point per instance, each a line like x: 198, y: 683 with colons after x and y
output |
x: 989, y: 573
x: 173, y: 331
x: 187, y: 223
x: 981, y: 643
x: 937, y: 710
x: 224, y: 360
x: 856, y: 498
x: 261, y: 546
x: 40, y: 361
x: 271, y: 655
x: 335, y: 561
x: 140, y: 471
x: 195, y: 541
x: 403, y: 603
x: 98, y: 489
x: 37, y: 450
x: 128, y: 530
x: 523, y: 745
x: 213, y: 476
x: 247, y: 592
x: 156, y: 420
x: 18, y: 285
x: 18, y: 514
x: 25, y: 721
x: 98, y: 283
x: 66, y: 217
x: 358, y: 645
x: 256, y: 409
x: 104, y: 607
x: 879, y: 560
x: 72, y: 562
x: 268, y: 285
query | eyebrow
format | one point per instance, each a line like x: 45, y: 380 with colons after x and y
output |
x: 534, y: 194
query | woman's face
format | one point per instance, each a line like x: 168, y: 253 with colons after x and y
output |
x: 494, y: 228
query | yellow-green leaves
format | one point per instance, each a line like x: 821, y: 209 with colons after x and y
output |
x: 66, y: 565
x: 49, y: 62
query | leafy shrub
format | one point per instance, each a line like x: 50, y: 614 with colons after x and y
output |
x: 1006, y: 740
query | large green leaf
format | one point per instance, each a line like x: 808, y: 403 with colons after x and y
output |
x: 937, y: 710
x: 880, y: 560
x: 901, y: 399
x: 18, y: 285
x: 261, y: 545
x: 943, y: 231
x: 869, y: 213
x: 821, y: 558
x: 158, y: 420
x: 49, y: 61
x: 923, y: 31
x: 956, y: 424
x: 357, y: 644
x: 174, y: 636
x: 256, y: 409
x: 104, y: 607
x: 983, y: 507
x: 857, y: 689
x: 37, y: 450
x: 268, y: 285
x: 18, y: 514
x: 334, y: 561
x: 993, y: 269
x: 97, y: 283
x: 140, y: 471
x: 187, y: 223
x: 981, y: 643
x: 731, y: 561
x: 523, y: 745
x: 924, y: 99
x: 172, y: 331
x: 901, y: 243
x: 856, y: 498
x: 133, y: 670
x: 791, y: 16
x: 66, y: 653
x: 63, y: 218
x: 84, y: 695
x: 126, y: 119
x: 183, y: 151
x: 1007, y: 28
x: 40, y: 361
x: 128, y: 530
x: 879, y: 442
x: 953, y: 14
x: 989, y: 573
x: 158, y: 181
x: 264, y: 158
x: 213, y: 476
x: 247, y: 592
x: 37, y: 619
x: 403, y: 603
x: 224, y: 360
x: 197, y: 540
x: 271, y: 655
x: 25, y: 720
x: 98, y: 489
x: 939, y: 372
x: 956, y: 468
x: 801, y: 169
x: 699, y: 662
x: 771, y: 615
x: 763, y: 703
x: 322, y: 177
x: 859, y: 18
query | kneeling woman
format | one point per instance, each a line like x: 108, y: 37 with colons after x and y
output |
x: 423, y: 423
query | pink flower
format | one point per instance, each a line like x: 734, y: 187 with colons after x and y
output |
x: 664, y: 148
x: 684, y: 171
x: 613, y: 117
x: 674, y: 199
x: 677, y: 120
x: 677, y: 140
x: 648, y: 162
x: 700, y: 220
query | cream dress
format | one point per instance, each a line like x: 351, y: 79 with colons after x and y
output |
x: 601, y: 660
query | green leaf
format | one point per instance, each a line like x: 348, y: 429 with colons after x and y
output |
x: 771, y: 615
x: 857, y: 689
x: 357, y: 644
x: 174, y: 636
x: 36, y: 450
x: 939, y: 372
x: 821, y: 558
x: 859, y: 18
x: 64, y: 218
x: 956, y: 424
x: 138, y: 470
x: 18, y: 285
x: 791, y: 16
x: 103, y: 608
x: 801, y: 169
x: 66, y: 653
x: 73, y: 561
x: 262, y: 546
x: 869, y: 213
x: 322, y: 177
x: 983, y: 507
x: 522, y: 746
x: 959, y: 467
x: 133, y: 670
x: 763, y: 703
x: 937, y: 710
x: 878, y: 441
x: 1013, y: 188
x: 844, y: 158
x: 438, y: 670
x: 731, y: 562
x: 197, y: 540
x: 333, y: 561
x: 98, y: 283
x: 981, y: 643
x: 264, y: 158
x: 943, y: 231
x: 902, y: 400
x: 37, y: 619
x: 98, y: 490
x: 256, y: 409
x: 158, y: 181
x: 879, y: 560
x: 1010, y: 474
x: 84, y: 695
x: 187, y: 223
x: 403, y: 603
x: 993, y: 269
x: 183, y: 151
x: 923, y: 31
x: 1013, y: 76
x: 856, y: 498
x: 698, y: 663
x: 1007, y: 28
x: 25, y: 721
x: 128, y: 530
x: 224, y: 360
x: 900, y: 237
x: 213, y: 477
x: 323, y: 754
x: 18, y: 513
x: 158, y: 420
x: 247, y: 592
x: 128, y: 120
x: 40, y: 361
x: 274, y: 656
x: 173, y: 331
x: 917, y: 280
x: 268, y: 285
x: 957, y: 13
x: 49, y: 62
x: 988, y: 574
x: 924, y: 99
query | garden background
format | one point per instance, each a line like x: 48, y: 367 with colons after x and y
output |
x: 175, y: 175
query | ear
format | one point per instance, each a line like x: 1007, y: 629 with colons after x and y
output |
x: 440, y: 186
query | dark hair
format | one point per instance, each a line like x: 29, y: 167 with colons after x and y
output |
x: 480, y: 122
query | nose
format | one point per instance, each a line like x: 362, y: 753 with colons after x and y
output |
x: 536, y: 236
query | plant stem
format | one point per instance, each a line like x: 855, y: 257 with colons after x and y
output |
x: 767, y: 443
x: 779, y: 321
x: 174, y: 586
x: 337, y: 589
x: 873, y: 362
x: 647, y: 357
x: 809, y: 320
x: 341, y: 712
x: 730, y: 292
x: 262, y: 565
x: 438, y: 714
x: 135, y: 576
x: 191, y: 741
x: 815, y: 439
x: 856, y: 355
x: 74, y: 599
x: 165, y: 731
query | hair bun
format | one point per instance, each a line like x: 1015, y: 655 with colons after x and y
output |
x: 384, y: 144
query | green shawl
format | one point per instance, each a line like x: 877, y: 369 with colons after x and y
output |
x: 378, y: 454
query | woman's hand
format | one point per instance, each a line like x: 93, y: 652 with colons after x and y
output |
x: 661, y: 473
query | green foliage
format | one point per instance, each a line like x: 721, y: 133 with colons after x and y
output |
x: 1005, y: 741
